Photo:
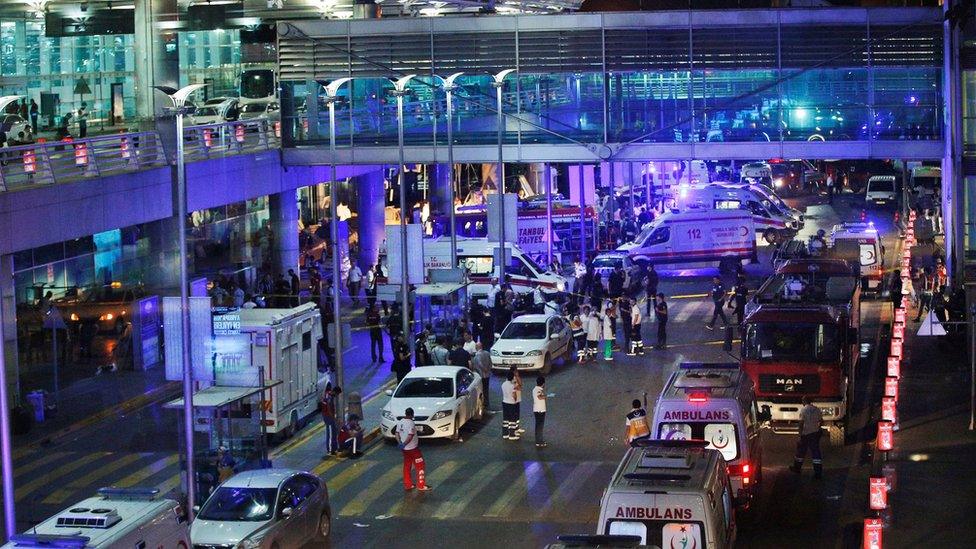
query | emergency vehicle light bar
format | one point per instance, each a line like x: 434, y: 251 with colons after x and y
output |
x: 709, y: 365
x: 656, y: 476
x: 132, y: 493
x: 605, y: 540
x: 50, y: 540
x: 653, y: 443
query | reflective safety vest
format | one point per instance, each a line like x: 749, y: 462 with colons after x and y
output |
x: 637, y: 426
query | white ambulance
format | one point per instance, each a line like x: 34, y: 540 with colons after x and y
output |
x: 715, y: 402
x: 696, y: 237
x: 116, y: 518
x: 671, y: 494
x: 774, y: 219
x: 477, y: 257
x: 860, y: 244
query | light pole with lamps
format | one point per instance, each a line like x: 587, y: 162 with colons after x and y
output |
x: 399, y: 91
x: 330, y: 98
x: 448, y: 85
x: 497, y: 82
x: 178, y: 98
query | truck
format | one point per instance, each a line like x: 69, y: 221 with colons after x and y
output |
x: 695, y: 237
x: 800, y: 338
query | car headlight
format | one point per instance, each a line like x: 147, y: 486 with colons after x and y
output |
x: 74, y: 317
x: 495, y: 353
x: 441, y: 415
x: 533, y: 353
x: 388, y: 415
x: 778, y: 182
x: 561, y: 286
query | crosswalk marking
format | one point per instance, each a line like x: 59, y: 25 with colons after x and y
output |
x: 469, y: 490
x: 170, y: 484
x: 688, y: 309
x: 28, y: 467
x: 29, y: 487
x: 350, y: 474
x: 516, y: 491
x: 61, y: 495
x: 373, y: 492
x: 147, y: 471
x: 566, y: 492
x: 435, y: 479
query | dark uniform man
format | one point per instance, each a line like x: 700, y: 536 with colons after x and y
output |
x: 811, y: 420
x: 718, y: 299
x: 661, y: 315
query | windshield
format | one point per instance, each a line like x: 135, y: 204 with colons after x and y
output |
x: 881, y: 186
x: 240, y: 504
x: 206, y: 111
x: 420, y: 387
x: 608, y: 262
x: 927, y: 182
x: 645, y: 232
x: 535, y: 266
x: 524, y: 330
x: 791, y: 342
x: 254, y: 108
x: 773, y: 209
x: 259, y: 83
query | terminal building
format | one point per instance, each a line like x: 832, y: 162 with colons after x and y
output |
x: 596, y: 101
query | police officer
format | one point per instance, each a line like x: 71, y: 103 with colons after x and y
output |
x: 637, y: 426
x: 718, y: 299
x: 740, y: 294
x: 661, y: 315
x: 811, y: 421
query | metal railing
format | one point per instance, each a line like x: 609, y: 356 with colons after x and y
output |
x: 230, y: 138
x: 57, y: 162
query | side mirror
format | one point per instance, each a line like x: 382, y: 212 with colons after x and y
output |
x: 389, y: 392
x: 286, y: 512
x: 554, y: 336
x: 196, y: 509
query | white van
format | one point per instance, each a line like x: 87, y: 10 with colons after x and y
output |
x: 774, y: 220
x: 477, y: 257
x: 696, y: 237
x: 117, y: 518
x: 759, y: 173
x: 671, y: 494
x: 880, y: 191
x: 860, y: 244
x: 715, y: 403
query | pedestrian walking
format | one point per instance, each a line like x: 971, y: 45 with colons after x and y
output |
x: 539, y: 410
x: 510, y: 409
x: 637, y: 340
x: 375, y: 326
x: 650, y: 286
x: 353, y: 282
x: 661, y: 316
x: 481, y: 362
x: 895, y: 289
x: 637, y: 426
x: 33, y: 115
x: 372, y: 283
x: 811, y: 421
x: 409, y: 443
x: 740, y: 295
x: 609, y: 334
x: 717, y: 294
x: 927, y: 290
x: 327, y: 407
x: 401, y: 357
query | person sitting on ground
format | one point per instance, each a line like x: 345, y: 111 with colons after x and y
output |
x: 351, y: 436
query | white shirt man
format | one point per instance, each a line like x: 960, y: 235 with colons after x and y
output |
x: 407, y: 438
x: 510, y: 408
x: 539, y: 410
x: 492, y: 292
x: 355, y: 274
x: 406, y: 431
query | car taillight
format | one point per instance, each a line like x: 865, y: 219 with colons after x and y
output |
x: 742, y: 470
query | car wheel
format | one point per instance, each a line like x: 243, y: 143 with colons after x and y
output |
x: 546, y: 365
x: 456, y: 435
x: 325, y: 527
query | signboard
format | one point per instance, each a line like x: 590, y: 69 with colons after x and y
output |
x: 200, y: 334
x: 931, y: 326
x: 891, y: 387
x: 511, y: 217
x: 886, y: 436
x: 872, y: 533
x: 231, y: 361
x: 415, y: 254
x: 145, y: 330
x: 878, y: 493
x: 894, y: 367
x: 888, y: 409
x: 226, y: 321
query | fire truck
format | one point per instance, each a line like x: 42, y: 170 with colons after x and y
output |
x: 801, y: 339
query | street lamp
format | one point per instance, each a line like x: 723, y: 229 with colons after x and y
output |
x: 178, y: 97
x: 330, y: 98
x: 448, y: 85
x: 498, y: 81
x: 399, y: 91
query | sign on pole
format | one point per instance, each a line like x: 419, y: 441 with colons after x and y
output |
x: 200, y: 334
x: 415, y: 254
x: 931, y: 326
x: 511, y: 218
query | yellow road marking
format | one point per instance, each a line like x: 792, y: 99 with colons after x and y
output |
x: 147, y: 471
x: 566, y: 492
x: 27, y: 467
x: 354, y: 471
x: 56, y: 474
x: 327, y: 464
x: 61, y: 495
x: 469, y: 490
x: 169, y: 484
x: 516, y: 491
x: 361, y: 502
x: 434, y: 479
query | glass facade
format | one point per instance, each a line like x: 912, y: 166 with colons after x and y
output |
x: 817, y: 80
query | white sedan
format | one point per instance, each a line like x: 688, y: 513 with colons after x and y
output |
x: 443, y: 399
x: 532, y: 342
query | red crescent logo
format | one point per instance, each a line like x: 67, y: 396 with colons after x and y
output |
x: 745, y: 230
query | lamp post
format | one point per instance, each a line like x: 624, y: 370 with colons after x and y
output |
x: 449, y: 86
x: 498, y: 81
x: 399, y: 91
x: 330, y: 98
x: 6, y: 450
x: 178, y: 98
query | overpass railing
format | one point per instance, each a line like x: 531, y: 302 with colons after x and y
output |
x: 230, y: 138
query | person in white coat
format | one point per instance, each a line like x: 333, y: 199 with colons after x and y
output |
x: 593, y: 325
x: 608, y: 332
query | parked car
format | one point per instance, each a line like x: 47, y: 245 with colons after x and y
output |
x: 17, y: 130
x: 532, y: 342
x: 109, y: 307
x: 267, y: 110
x: 265, y: 509
x: 443, y: 399
x: 217, y: 111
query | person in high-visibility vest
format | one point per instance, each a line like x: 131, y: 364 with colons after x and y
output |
x: 637, y: 427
